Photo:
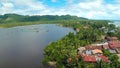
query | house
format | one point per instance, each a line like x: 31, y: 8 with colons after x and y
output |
x: 92, y: 58
x: 97, y: 51
x: 104, y: 58
x: 81, y: 49
x: 112, y: 51
x: 105, y: 46
x: 81, y: 54
x: 89, y: 58
x: 88, y: 52
x: 88, y: 47
x: 99, y: 47
x: 114, y: 44
x: 92, y: 47
x: 112, y: 38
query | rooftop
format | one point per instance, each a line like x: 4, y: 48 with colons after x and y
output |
x: 114, y: 44
x: 89, y: 58
x: 92, y: 58
x: 96, y: 51
x: 105, y: 46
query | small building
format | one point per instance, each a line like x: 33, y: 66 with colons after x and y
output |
x: 103, y: 58
x: 97, y: 51
x: 89, y: 58
x: 105, y: 46
x: 112, y: 51
x: 114, y: 44
x: 92, y: 58
x: 92, y: 47
x: 88, y: 47
x: 81, y: 54
x: 112, y: 38
x: 81, y: 49
x: 88, y: 52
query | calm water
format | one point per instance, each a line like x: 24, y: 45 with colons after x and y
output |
x: 117, y: 23
x: 22, y: 47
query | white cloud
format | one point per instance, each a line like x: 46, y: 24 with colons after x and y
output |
x: 6, y: 8
x: 84, y: 8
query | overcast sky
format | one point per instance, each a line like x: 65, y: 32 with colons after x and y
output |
x: 92, y: 9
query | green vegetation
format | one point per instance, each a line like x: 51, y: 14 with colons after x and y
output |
x: 64, y: 51
x: 11, y: 20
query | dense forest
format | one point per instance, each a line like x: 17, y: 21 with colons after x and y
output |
x: 20, y: 18
x: 10, y: 20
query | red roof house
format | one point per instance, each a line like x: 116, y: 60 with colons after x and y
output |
x: 114, y: 44
x: 103, y: 58
x: 92, y: 58
x: 89, y: 58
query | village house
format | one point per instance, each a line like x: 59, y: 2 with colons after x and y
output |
x: 97, y: 52
x: 88, y: 52
x: 92, y: 58
x: 103, y: 58
x: 114, y: 44
x: 92, y: 47
x: 112, y: 38
x: 91, y: 53
x: 81, y: 49
x: 89, y: 58
x: 112, y: 51
x: 105, y: 46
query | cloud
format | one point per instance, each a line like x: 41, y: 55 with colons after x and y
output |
x: 6, y: 8
x: 97, y: 9
x: 93, y: 9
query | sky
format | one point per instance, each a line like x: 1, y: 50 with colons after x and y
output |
x: 91, y: 9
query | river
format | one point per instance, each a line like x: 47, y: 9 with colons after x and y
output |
x: 22, y: 46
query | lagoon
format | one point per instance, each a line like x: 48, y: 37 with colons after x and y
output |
x: 22, y: 46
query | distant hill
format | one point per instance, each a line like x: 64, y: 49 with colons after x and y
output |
x: 7, y: 18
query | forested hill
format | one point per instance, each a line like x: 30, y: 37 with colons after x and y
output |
x: 7, y: 18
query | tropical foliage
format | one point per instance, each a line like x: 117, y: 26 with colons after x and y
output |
x: 64, y: 51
